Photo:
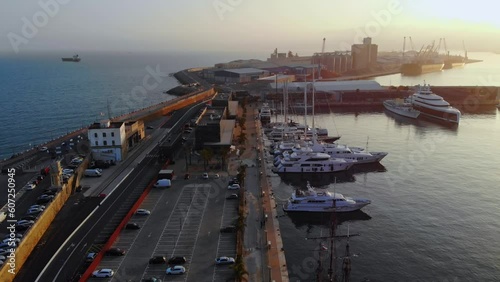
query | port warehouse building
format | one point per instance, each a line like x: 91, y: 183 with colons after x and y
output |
x: 335, y: 92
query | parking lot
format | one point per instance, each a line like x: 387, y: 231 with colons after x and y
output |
x: 185, y: 221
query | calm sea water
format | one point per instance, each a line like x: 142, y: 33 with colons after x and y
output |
x: 43, y: 97
x: 434, y: 214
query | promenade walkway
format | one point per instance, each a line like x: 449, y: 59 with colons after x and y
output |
x: 264, y: 255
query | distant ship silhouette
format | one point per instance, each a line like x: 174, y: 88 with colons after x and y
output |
x: 75, y: 58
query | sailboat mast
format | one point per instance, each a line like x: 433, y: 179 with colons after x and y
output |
x: 312, y: 102
x: 333, y: 266
x: 305, y: 103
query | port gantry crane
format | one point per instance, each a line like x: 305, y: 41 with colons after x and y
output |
x: 321, y: 59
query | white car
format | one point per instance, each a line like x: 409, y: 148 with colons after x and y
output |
x: 43, y: 149
x: 30, y: 186
x: 142, y: 212
x: 103, y: 273
x: 67, y: 171
x: 224, y: 260
x: 178, y: 269
x: 233, y: 186
x: 204, y: 175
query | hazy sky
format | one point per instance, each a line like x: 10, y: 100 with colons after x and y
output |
x: 256, y: 26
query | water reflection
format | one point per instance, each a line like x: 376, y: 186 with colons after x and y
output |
x: 309, y: 220
x: 320, y: 180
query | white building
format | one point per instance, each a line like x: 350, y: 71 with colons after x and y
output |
x: 108, y: 140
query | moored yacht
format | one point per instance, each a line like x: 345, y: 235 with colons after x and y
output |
x: 311, y: 162
x: 433, y: 105
x: 344, y: 152
x: 402, y: 107
x: 312, y: 200
x: 265, y: 114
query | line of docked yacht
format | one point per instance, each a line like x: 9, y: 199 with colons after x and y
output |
x: 424, y: 103
x: 317, y: 200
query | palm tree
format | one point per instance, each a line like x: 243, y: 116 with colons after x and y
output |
x: 239, y: 268
x: 242, y: 138
x: 206, y: 155
x: 224, y: 153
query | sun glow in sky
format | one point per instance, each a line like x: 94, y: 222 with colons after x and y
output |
x: 250, y: 26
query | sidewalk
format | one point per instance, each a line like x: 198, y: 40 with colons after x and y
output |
x: 261, y: 211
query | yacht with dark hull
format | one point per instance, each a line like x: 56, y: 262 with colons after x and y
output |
x: 434, y: 106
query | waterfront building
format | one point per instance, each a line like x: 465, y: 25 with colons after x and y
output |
x: 108, y: 140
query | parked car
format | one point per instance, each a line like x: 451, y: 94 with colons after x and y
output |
x: 228, y: 229
x: 43, y: 201
x: 157, y: 260
x: 142, y: 212
x: 37, y: 207
x: 7, y: 245
x: 24, y: 222
x: 29, y: 186
x: 152, y: 279
x: 6, y: 240
x: 103, y: 273
x: 45, y: 196
x: 178, y: 269
x: 18, y: 235
x: 68, y: 171
x: 177, y: 260
x: 50, y: 192
x: 34, y: 211
x: 186, y: 176
x: 43, y: 149
x: 90, y: 257
x: 204, y: 175
x: 224, y: 260
x: 132, y: 226
x: 115, y: 252
x: 233, y: 187
x: 232, y: 196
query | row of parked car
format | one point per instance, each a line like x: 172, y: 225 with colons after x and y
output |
x: 175, y: 267
x: 25, y: 222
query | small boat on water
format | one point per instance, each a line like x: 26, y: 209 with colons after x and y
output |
x: 317, y: 200
x: 401, y: 107
x: 75, y: 58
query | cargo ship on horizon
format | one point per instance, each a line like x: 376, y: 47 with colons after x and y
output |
x: 424, y: 61
x: 418, y: 68
x: 75, y: 58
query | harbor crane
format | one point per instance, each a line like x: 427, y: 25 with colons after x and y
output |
x: 321, y: 58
